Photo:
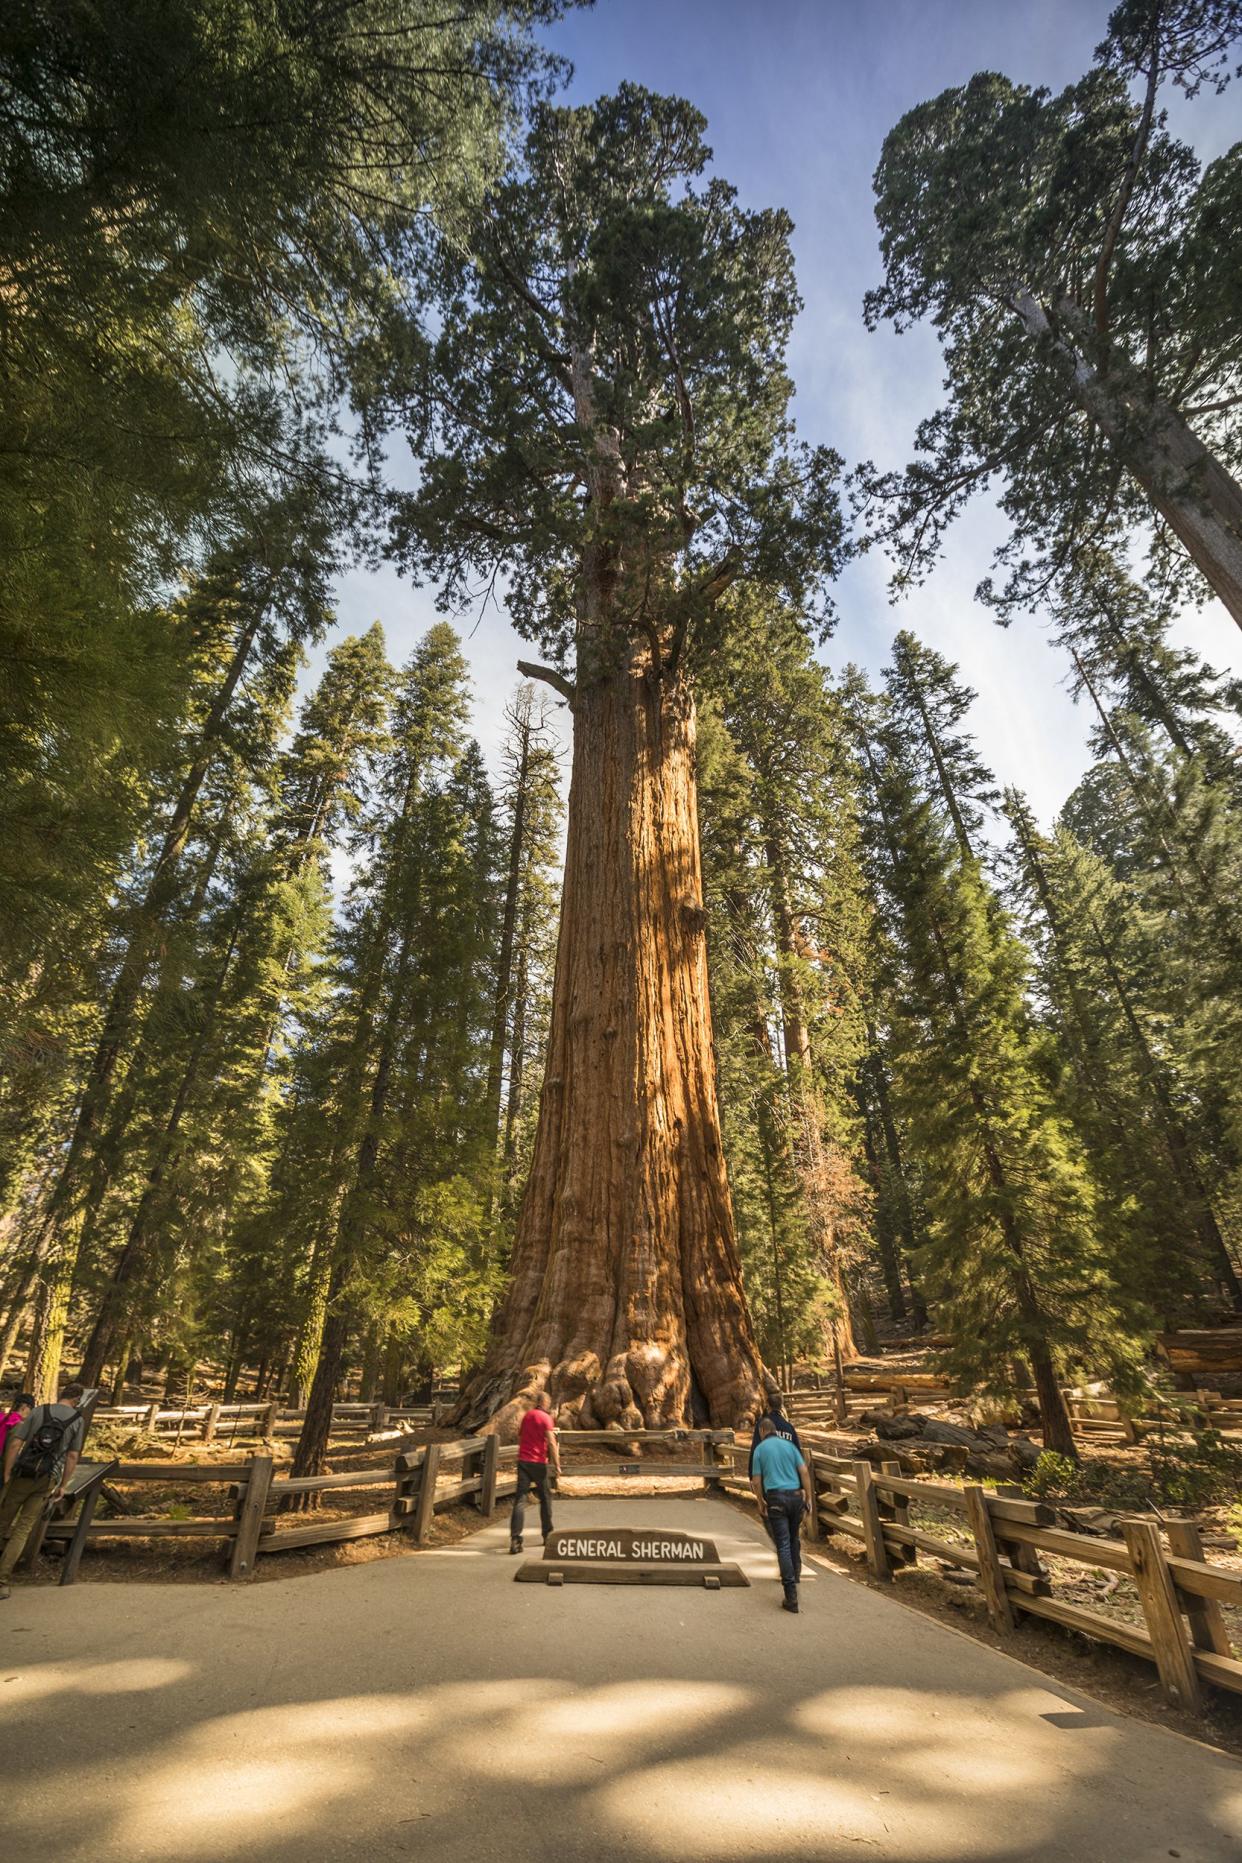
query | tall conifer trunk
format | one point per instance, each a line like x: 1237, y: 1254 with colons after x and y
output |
x: 1193, y: 491
x: 806, y: 1110
x: 626, y: 1300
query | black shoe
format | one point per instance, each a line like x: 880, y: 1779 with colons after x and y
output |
x: 790, y: 1604
x: 515, y: 1546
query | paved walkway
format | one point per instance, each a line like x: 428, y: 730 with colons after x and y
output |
x: 430, y: 1708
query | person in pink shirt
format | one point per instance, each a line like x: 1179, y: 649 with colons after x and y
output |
x: 11, y: 1414
x: 537, y: 1448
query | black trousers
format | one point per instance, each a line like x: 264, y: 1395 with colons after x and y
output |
x: 785, y: 1507
x: 531, y: 1475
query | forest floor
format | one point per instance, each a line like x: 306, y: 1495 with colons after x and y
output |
x: 438, y: 1711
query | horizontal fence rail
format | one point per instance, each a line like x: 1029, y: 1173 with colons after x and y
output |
x: 1093, y: 1418
x: 415, y: 1484
x: 269, y: 1422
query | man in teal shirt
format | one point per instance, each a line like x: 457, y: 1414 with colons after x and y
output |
x: 782, y: 1484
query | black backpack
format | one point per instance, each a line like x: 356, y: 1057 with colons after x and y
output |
x: 45, y: 1445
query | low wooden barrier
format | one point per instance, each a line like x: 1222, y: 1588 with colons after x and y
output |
x: 1100, y: 1418
x: 713, y: 1449
x: 1185, y: 1633
x: 269, y: 1422
x: 422, y: 1481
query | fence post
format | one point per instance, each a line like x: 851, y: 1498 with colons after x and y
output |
x: 897, y: 1511
x: 425, y: 1500
x: 1022, y: 1558
x: 491, y: 1467
x: 250, y: 1512
x: 209, y: 1423
x: 86, y: 1513
x: 872, y: 1524
x: 1208, y: 1629
x: 1175, y: 1661
x: 991, y: 1571
x: 153, y: 1411
x: 269, y: 1419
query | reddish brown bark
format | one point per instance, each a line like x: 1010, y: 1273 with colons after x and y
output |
x: 626, y: 1300
x: 820, y: 1176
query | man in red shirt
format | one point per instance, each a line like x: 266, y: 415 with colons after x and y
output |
x: 537, y: 1446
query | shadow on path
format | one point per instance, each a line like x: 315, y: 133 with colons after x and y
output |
x: 431, y: 1708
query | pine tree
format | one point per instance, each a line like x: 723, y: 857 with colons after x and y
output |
x: 389, y: 1027
x: 1130, y: 1108
x: 276, y: 912
x: 262, y: 594
x: 531, y: 811
x: 802, y: 890
x: 1013, y: 1258
x: 1069, y: 249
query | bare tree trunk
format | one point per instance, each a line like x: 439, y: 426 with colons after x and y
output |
x: 626, y: 1299
x: 121, y: 1373
x: 372, y: 1359
x: 390, y: 1378
x: 886, y: 1242
x: 310, y: 1332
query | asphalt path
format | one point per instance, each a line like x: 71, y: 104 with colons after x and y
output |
x: 428, y: 1707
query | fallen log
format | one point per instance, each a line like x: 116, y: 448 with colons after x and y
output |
x: 1204, y: 1350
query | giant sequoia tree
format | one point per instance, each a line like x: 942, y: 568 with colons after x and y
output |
x: 1082, y: 272
x: 603, y: 417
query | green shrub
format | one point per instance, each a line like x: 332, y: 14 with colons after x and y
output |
x: 1197, y: 1473
x: 1190, y: 1475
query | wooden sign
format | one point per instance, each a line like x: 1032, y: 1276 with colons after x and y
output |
x: 653, y: 1546
x: 629, y: 1556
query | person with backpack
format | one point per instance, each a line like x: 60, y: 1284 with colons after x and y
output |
x: 11, y: 1414
x: 773, y: 1413
x: 782, y: 1484
x: 39, y: 1458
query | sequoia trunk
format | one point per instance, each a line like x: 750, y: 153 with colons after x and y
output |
x: 626, y: 1300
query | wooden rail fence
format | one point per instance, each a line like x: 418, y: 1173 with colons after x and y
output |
x: 270, y: 1422
x: 1101, y: 1418
x: 421, y: 1482
x: 1184, y: 1631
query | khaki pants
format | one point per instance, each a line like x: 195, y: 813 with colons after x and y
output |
x: 21, y: 1503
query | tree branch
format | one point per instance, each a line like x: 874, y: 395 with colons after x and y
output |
x: 1112, y: 231
x: 550, y: 677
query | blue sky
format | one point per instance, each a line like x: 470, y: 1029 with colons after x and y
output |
x: 799, y: 95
